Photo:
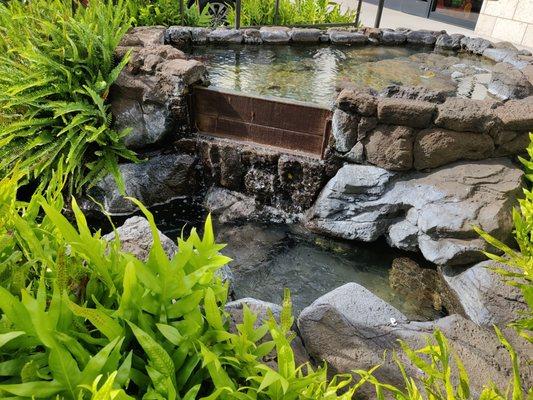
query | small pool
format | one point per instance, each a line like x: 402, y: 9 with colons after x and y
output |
x: 269, y: 258
x: 312, y: 73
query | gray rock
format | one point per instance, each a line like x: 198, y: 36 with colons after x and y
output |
x: 510, y: 143
x: 467, y: 115
x: 416, y: 93
x: 136, y: 238
x: 144, y: 36
x: 344, y: 130
x: 158, y: 180
x: 509, y: 56
x: 507, y: 82
x: 305, y: 35
x: 475, y: 45
x: 179, y: 36
x: 393, y: 38
x: 485, y: 298
x: 356, y: 154
x: 413, y: 113
x: 517, y: 114
x: 148, y: 95
x: 390, y: 147
x: 364, y: 337
x: 275, y: 34
x: 252, y: 36
x: 347, y: 37
x: 225, y: 35
x: 199, y: 35
x: 449, y: 42
x: 365, y: 202
x: 435, y: 147
x: 421, y: 37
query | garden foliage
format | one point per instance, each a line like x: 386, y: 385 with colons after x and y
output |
x: 56, y: 68
x: 167, y: 12
x: 291, y: 12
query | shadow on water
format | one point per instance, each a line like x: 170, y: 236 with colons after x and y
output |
x: 269, y: 258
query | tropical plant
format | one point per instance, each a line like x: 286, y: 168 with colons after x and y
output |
x: 520, y: 262
x: 56, y: 67
x: 291, y: 12
x: 167, y: 12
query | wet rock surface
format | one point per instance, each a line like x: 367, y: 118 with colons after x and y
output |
x: 155, y: 181
x: 432, y: 211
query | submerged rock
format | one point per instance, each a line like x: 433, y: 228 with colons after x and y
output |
x: 507, y: 82
x: 158, y: 180
x: 434, y: 211
x: 485, y: 297
x: 366, y: 331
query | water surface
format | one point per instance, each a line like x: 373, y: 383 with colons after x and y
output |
x: 313, y: 72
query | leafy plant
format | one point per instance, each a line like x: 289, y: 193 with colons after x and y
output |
x: 297, y: 12
x: 167, y: 12
x: 520, y: 273
x: 56, y: 67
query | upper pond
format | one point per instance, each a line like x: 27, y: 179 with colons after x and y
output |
x: 312, y: 73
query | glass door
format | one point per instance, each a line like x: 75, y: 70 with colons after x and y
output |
x: 459, y: 12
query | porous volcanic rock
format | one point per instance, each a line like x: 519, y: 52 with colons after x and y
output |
x: 344, y: 128
x: 507, y: 82
x: 357, y: 101
x: 449, y: 42
x: 422, y: 37
x: 305, y: 35
x: 413, y: 113
x: 393, y: 38
x: 435, y: 147
x: 434, y: 211
x: 517, y: 114
x: 275, y: 34
x: 347, y: 37
x: 475, y: 45
x: 390, y: 147
x: 225, y: 35
x: 467, y: 115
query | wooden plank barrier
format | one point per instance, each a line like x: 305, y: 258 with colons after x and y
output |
x: 286, y: 124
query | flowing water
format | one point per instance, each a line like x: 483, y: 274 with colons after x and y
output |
x: 313, y: 73
x: 269, y: 258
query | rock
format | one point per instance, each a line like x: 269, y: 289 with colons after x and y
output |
x: 305, y: 35
x: 466, y: 115
x: 148, y: 95
x: 263, y: 309
x: 144, y: 36
x: 363, y: 336
x: 366, y: 124
x: 225, y: 35
x: 437, y: 210
x: 510, y: 56
x: 393, y: 38
x: 260, y: 183
x: 252, y: 36
x: 179, y: 36
x: 422, y: 286
x: 136, y: 238
x: 357, y: 101
x: 416, y: 93
x: 347, y: 37
x: 275, y: 34
x: 449, y: 42
x: 413, y: 113
x: 390, y: 147
x: 356, y: 154
x: 421, y: 37
x: 435, y: 147
x: 507, y: 82
x: 231, y: 169
x: 233, y: 207
x: 199, y: 35
x: 344, y: 130
x: 158, y: 180
x: 512, y: 143
x: 517, y: 114
x: 475, y: 45
x: 373, y: 33
x: 484, y: 296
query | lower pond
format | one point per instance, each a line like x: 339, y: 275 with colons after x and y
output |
x: 312, y: 73
x: 270, y: 257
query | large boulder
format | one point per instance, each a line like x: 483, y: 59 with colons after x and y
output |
x: 434, y: 147
x: 158, y: 180
x: 136, y: 238
x: 484, y: 296
x: 413, y: 113
x: 148, y: 96
x: 466, y: 115
x: 366, y: 331
x: 435, y: 211
x: 517, y: 114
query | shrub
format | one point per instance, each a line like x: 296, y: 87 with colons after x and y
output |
x: 291, y: 12
x: 56, y: 68
x: 167, y: 12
